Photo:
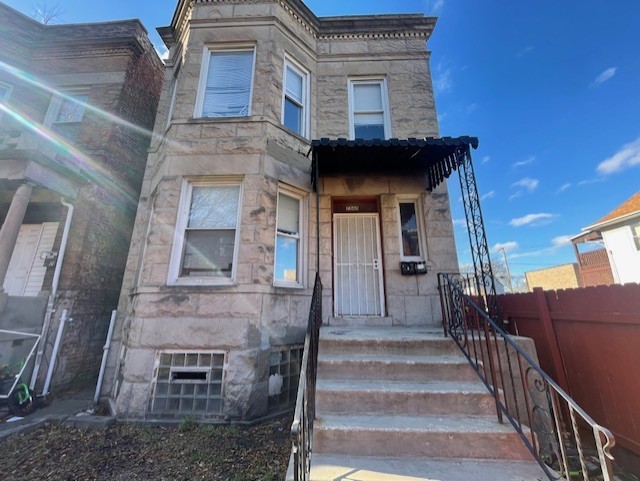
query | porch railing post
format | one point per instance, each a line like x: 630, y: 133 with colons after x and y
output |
x: 550, y: 335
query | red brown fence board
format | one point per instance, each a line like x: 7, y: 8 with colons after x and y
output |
x: 590, y: 344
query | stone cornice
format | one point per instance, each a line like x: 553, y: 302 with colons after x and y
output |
x: 322, y: 28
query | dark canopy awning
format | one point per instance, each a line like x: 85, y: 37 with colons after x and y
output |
x: 432, y: 157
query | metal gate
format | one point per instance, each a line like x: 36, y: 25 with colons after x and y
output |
x: 358, y: 286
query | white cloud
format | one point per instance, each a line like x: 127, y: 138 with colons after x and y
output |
x: 488, y: 195
x: 485, y: 159
x: 460, y: 222
x: 563, y: 187
x: 628, y: 156
x: 595, y: 180
x: 442, y: 81
x: 529, y: 160
x: 472, y: 107
x: 515, y: 196
x: 434, y: 7
x: 162, y: 51
x: 528, y: 183
x: 442, y: 116
x: 524, y: 51
x: 540, y: 218
x: 507, y: 246
x: 561, y: 241
x: 604, y: 76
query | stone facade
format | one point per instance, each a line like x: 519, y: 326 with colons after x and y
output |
x: 98, y: 169
x: 251, y: 317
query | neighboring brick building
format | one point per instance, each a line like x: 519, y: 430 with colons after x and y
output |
x: 221, y: 269
x: 565, y: 276
x: 77, y: 103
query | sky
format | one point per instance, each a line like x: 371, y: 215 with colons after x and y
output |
x: 551, y: 89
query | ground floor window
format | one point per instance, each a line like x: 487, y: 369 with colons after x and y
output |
x: 188, y: 383
x: 206, y: 233
x: 284, y: 374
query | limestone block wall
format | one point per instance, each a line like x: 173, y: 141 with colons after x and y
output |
x: 250, y: 318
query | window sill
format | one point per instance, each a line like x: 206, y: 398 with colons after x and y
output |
x: 203, y: 281
x: 283, y: 285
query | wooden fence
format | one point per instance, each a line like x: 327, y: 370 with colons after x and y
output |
x: 588, y: 340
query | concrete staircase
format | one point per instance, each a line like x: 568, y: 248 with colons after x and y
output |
x: 403, y: 403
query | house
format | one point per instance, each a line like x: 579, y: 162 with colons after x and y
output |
x: 619, y: 231
x: 285, y: 145
x: 565, y: 276
x: 77, y: 103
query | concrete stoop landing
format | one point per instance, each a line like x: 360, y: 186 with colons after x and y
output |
x: 398, y: 403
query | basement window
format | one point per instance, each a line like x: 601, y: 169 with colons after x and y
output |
x: 188, y: 383
x: 284, y: 374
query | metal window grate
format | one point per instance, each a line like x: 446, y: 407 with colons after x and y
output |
x: 188, y: 383
x: 284, y: 373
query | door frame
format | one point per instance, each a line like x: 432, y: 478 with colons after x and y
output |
x: 380, y: 269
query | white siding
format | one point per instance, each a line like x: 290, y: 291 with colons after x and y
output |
x: 623, y: 255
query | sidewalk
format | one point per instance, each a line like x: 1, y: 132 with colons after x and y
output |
x: 63, y: 409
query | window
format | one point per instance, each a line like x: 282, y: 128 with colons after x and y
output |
x: 284, y: 375
x: 65, y: 114
x: 369, y: 110
x: 188, y: 382
x: 226, y: 83
x: 288, y: 258
x: 205, y: 251
x: 295, y: 99
x: 411, y: 228
x: 635, y: 232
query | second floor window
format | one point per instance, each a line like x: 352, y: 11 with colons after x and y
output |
x: 295, y: 99
x: 368, y: 109
x: 66, y: 113
x: 226, y: 83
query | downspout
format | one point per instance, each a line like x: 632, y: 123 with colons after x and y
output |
x: 54, y: 289
x: 105, y: 354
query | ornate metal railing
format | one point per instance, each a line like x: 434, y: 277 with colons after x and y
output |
x: 564, y: 440
x: 305, y: 413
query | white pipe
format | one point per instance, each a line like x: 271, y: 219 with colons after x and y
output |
x: 105, y: 353
x: 52, y: 296
x: 54, y: 354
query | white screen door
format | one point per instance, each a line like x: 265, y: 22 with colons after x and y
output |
x: 357, y: 273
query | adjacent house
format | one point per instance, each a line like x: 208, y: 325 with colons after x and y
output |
x: 619, y: 231
x: 285, y: 145
x: 77, y: 103
x: 564, y: 276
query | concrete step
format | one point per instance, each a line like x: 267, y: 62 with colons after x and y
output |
x: 442, y: 436
x: 361, y: 321
x: 383, y: 340
x: 395, y: 366
x: 355, y: 468
x: 403, y: 397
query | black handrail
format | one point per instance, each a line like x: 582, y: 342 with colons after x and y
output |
x: 552, y: 426
x: 305, y: 413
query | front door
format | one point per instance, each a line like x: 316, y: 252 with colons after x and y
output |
x: 357, y: 271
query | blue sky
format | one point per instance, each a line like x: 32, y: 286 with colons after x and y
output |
x: 551, y: 88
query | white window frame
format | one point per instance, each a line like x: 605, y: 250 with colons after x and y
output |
x: 56, y: 103
x: 306, y: 94
x: 635, y: 238
x: 204, y: 73
x: 181, y: 225
x: 382, y: 81
x: 302, y: 237
x: 7, y: 96
x: 420, y: 225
